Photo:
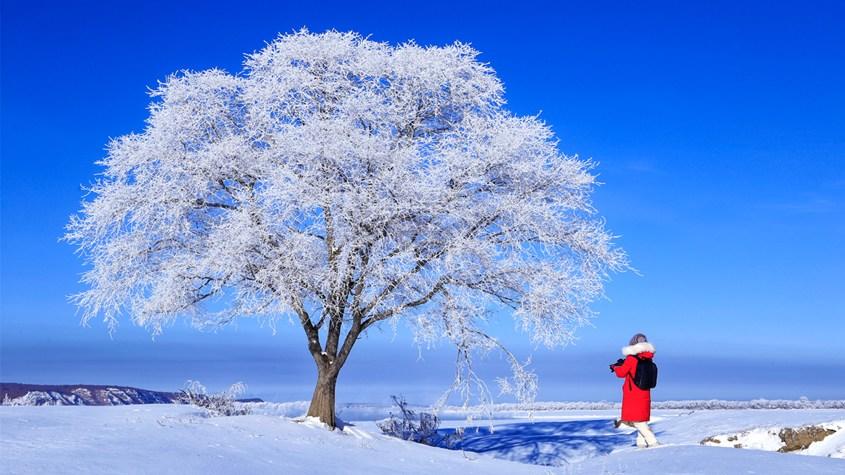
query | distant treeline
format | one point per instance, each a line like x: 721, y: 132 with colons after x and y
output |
x: 802, y: 403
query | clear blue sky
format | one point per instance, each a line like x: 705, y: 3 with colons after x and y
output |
x: 719, y: 129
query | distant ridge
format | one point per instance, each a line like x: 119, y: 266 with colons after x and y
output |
x: 80, y: 395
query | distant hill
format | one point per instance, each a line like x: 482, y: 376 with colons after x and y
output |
x: 80, y: 395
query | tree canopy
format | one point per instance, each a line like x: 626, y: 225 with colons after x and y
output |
x: 343, y: 182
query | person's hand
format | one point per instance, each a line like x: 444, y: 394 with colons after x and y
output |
x: 618, y: 362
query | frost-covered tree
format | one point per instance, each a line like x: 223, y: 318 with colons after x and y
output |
x: 342, y: 183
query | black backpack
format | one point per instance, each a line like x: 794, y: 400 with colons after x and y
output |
x: 646, y: 375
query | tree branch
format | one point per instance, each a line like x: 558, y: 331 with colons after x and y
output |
x: 383, y: 315
x: 421, y: 263
x: 201, y: 203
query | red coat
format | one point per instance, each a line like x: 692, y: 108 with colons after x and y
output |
x: 636, y: 402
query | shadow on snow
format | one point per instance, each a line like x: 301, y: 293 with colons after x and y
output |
x: 544, y: 443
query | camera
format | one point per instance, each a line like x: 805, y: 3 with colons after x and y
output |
x: 619, y: 362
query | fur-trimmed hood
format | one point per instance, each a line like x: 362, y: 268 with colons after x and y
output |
x: 641, y: 347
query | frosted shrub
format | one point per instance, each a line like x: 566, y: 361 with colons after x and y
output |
x: 219, y: 404
x: 415, y: 427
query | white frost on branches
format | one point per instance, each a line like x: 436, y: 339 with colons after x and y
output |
x: 219, y: 404
x: 343, y: 182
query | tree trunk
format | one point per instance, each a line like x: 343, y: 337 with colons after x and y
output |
x: 328, y: 367
x: 322, y: 402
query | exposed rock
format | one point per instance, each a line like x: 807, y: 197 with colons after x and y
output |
x: 801, y: 438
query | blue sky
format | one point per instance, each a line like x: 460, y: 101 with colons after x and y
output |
x: 719, y: 130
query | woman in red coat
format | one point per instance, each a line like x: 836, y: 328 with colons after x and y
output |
x: 636, y: 402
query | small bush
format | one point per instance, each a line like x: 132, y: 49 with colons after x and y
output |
x: 420, y: 428
x: 220, y: 404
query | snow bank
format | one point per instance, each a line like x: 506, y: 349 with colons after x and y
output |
x: 166, y: 439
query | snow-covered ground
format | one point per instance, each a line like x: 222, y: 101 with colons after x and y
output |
x: 165, y: 439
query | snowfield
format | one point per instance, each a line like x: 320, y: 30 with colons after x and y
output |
x: 181, y: 439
